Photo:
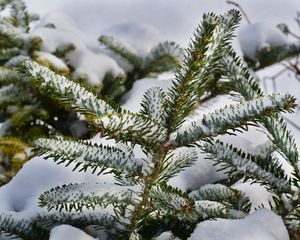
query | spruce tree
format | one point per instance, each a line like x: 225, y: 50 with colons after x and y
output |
x: 285, y: 188
x: 142, y: 204
x: 14, y: 26
x: 162, y: 58
x: 26, y: 112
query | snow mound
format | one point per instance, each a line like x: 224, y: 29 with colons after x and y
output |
x: 200, y: 173
x: 260, y: 225
x: 166, y: 236
x: 46, y: 58
x: 58, y: 20
x: 260, y: 35
x: 133, y: 98
x: 140, y: 38
x: 259, y: 196
x: 65, y: 232
x: 89, y: 63
x: 37, y: 176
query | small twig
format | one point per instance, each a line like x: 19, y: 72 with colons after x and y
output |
x: 297, y: 19
x: 273, y: 79
x: 241, y: 9
x: 292, y: 123
x: 293, y: 67
x: 294, y: 35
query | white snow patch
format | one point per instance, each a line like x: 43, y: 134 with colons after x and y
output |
x: 92, y: 66
x: 200, y: 173
x: 259, y: 196
x: 260, y: 225
x: 140, y: 38
x: 37, y: 176
x: 55, y: 61
x: 137, y: 150
x: 260, y: 35
x: 65, y: 232
x: 166, y: 236
x: 134, y: 97
x: 59, y: 20
x: 87, y: 62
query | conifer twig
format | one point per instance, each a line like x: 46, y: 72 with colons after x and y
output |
x: 241, y: 9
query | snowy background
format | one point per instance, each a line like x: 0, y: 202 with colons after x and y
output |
x: 172, y: 20
x: 175, y: 18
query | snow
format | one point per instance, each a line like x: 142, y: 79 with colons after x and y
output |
x: 258, y: 195
x: 140, y: 38
x: 85, y: 152
x: 133, y: 125
x: 200, y: 173
x: 65, y: 232
x: 23, y: 191
x: 260, y: 225
x: 58, y: 20
x: 14, y: 61
x: 46, y: 57
x: 258, y: 36
x: 63, y: 86
x: 137, y: 150
x: 204, y: 207
x: 88, y: 64
x: 92, y: 66
x: 166, y: 236
x: 4, y: 126
x: 132, y: 99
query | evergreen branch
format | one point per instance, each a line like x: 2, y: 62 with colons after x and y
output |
x: 18, y: 224
x: 10, y: 36
x: 239, y: 76
x: 292, y: 220
x: 118, y: 48
x: 61, y: 51
x: 236, y: 161
x: 155, y: 224
x: 66, y: 90
x: 9, y: 236
x: 85, y: 195
x: 211, y: 209
x: 11, y: 145
x: 102, y: 217
x: 3, y: 4
x: 164, y: 57
x: 176, y: 162
x: 283, y: 140
x: 223, y: 194
x: 232, y: 117
x: 8, y: 53
x: 113, y: 86
x: 89, y: 155
x: 200, y: 61
x: 4, y: 127
x: 20, y: 15
x: 171, y: 200
x: 8, y: 75
x: 15, y: 94
x: 135, y: 128
x: 246, y: 86
x: 15, y: 62
x: 152, y: 104
x: 28, y: 114
x: 267, y: 57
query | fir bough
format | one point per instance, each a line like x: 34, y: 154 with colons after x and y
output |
x: 143, y: 205
x: 164, y: 57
